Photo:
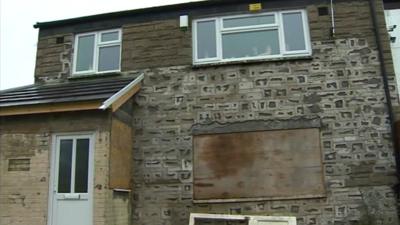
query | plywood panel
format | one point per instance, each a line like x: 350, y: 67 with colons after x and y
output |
x: 49, y: 108
x: 270, y: 164
x: 120, y: 155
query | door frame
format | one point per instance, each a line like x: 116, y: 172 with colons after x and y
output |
x: 52, y: 174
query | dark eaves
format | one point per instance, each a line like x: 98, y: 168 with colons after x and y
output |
x: 150, y: 10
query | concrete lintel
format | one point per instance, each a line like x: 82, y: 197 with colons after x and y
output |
x: 256, y: 125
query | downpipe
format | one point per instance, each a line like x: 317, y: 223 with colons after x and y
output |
x: 387, y: 95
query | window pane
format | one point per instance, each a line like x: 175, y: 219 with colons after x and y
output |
x: 206, y: 40
x: 84, y: 61
x: 64, y: 169
x: 249, y: 21
x: 109, y: 58
x: 250, y: 44
x: 82, y: 166
x: 294, y: 32
x: 111, y: 36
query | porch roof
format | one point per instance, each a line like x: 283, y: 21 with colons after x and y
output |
x: 22, y: 100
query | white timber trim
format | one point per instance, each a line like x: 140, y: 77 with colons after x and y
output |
x: 252, y: 220
x: 107, y: 103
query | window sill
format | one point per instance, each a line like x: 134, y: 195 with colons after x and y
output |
x: 251, y: 61
x: 93, y: 75
x: 314, y: 196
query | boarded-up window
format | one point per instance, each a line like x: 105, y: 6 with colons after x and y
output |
x: 120, y: 155
x: 262, y: 164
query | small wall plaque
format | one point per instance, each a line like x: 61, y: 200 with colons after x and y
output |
x: 255, y: 7
x: 19, y: 164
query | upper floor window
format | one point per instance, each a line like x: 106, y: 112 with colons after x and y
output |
x: 248, y: 37
x: 97, y: 52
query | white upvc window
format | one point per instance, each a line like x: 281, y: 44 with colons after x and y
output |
x: 251, y: 36
x: 97, y: 52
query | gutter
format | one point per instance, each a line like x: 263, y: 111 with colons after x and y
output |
x: 387, y: 93
x: 333, y: 29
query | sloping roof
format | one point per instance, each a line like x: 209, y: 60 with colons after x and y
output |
x: 151, y: 10
x: 156, y: 9
x: 107, y: 90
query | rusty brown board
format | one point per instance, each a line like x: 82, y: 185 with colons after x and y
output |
x: 263, y: 164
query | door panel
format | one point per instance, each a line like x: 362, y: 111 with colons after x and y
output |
x: 71, y: 212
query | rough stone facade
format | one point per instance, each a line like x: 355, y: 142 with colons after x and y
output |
x: 344, y: 91
x: 53, y: 61
x: 25, y: 153
x: 24, y: 178
x: 341, y: 84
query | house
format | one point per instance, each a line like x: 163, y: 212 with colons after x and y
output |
x: 240, y: 112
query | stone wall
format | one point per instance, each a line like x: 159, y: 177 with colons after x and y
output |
x: 24, y: 160
x: 54, y: 60
x: 110, y: 208
x: 342, y: 85
x: 25, y: 153
x: 117, y: 208
x: 161, y: 43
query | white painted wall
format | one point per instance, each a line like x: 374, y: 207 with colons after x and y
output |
x: 393, y: 18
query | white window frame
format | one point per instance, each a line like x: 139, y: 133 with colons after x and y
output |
x: 98, y: 44
x: 278, y: 25
x: 252, y: 220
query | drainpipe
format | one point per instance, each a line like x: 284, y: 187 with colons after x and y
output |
x: 333, y: 28
x: 387, y: 91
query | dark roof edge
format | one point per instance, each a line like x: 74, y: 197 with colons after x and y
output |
x: 16, y: 88
x: 155, y: 9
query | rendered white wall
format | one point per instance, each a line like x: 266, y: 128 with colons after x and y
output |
x: 393, y: 18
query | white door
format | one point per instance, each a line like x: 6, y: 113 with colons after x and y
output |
x: 72, y: 181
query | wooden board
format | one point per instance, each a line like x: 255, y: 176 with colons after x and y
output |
x: 49, y: 108
x: 120, y: 155
x: 264, y: 164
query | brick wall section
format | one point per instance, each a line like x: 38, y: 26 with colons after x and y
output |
x: 342, y: 85
x: 22, y: 191
x: 25, y: 192
x: 155, y: 44
x: 109, y: 208
x: 53, y: 61
x: 162, y: 43
x: 101, y: 178
x: 118, y: 208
